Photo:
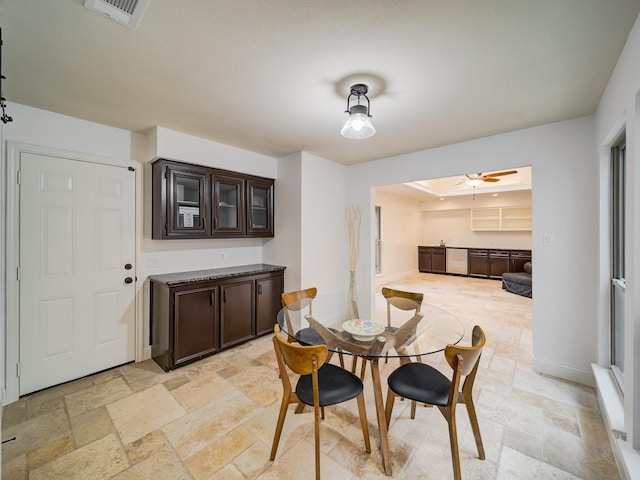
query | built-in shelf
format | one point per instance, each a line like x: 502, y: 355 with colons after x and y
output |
x: 501, y: 219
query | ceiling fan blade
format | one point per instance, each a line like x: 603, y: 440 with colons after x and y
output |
x: 489, y: 179
x: 500, y: 174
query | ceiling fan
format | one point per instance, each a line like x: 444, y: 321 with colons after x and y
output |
x: 475, y: 179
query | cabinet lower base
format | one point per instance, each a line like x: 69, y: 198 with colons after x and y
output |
x: 165, y: 363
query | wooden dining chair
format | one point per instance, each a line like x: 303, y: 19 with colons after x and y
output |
x: 422, y: 383
x: 401, y: 300
x: 296, y: 301
x: 320, y: 384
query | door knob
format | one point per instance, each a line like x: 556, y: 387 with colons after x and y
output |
x: 128, y: 280
x: 128, y: 266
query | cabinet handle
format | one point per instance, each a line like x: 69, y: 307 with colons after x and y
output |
x: 259, y: 289
x: 213, y: 298
x: 215, y: 222
x: 224, y: 296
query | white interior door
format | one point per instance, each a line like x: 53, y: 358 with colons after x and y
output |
x: 77, y: 250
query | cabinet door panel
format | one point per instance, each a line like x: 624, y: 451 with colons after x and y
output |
x: 229, y: 206
x: 478, y: 263
x: 268, y: 303
x: 518, y: 259
x: 236, y: 312
x: 180, y: 201
x: 498, y: 264
x: 260, y: 208
x: 424, y: 259
x: 438, y: 257
x: 195, y: 323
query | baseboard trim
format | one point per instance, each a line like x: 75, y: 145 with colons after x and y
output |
x: 585, y: 377
x: 382, y: 279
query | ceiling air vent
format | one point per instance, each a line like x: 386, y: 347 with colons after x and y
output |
x: 124, y: 12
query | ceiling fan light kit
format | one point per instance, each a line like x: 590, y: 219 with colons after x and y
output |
x: 473, y: 182
x: 476, y: 179
x: 358, y: 125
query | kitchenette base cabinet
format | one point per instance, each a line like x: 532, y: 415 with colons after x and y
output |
x: 237, y: 311
x: 268, y: 302
x: 498, y: 263
x: 191, y: 319
x: 432, y: 259
x: 478, y: 262
x: 196, y: 314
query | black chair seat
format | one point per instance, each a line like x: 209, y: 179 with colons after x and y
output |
x: 420, y: 382
x: 335, y: 385
x: 308, y: 336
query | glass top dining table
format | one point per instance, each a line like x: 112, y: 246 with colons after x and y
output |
x: 364, y: 325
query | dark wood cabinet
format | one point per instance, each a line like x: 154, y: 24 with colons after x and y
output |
x: 260, y: 208
x: 268, y: 300
x: 498, y: 263
x: 237, y: 312
x: 432, y: 259
x: 180, y: 201
x: 191, y: 201
x: 229, y: 206
x: 493, y: 263
x: 197, y: 314
x: 478, y: 259
x: 518, y: 259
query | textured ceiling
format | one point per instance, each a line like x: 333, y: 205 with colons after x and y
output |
x: 273, y: 76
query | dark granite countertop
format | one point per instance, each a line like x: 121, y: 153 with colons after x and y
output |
x: 180, y: 278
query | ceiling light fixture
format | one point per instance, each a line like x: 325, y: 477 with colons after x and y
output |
x: 473, y: 182
x: 358, y: 124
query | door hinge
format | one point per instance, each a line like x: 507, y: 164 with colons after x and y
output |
x: 131, y: 169
x: 18, y: 176
x: 17, y: 370
x: 18, y: 273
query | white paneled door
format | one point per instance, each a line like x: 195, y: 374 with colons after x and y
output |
x: 77, y: 272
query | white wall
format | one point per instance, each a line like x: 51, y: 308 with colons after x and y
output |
x: 620, y: 107
x: 453, y: 227
x: 185, y: 255
x: 324, y: 238
x: 287, y: 249
x: 564, y: 179
x: 38, y: 127
x: 401, y: 235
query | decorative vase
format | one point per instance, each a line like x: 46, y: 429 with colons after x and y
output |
x: 353, y: 297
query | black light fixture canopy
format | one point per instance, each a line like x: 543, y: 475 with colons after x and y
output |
x: 358, y: 125
x: 5, y: 118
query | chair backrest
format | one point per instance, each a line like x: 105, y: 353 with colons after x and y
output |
x: 302, y: 360
x: 296, y: 301
x: 402, y: 300
x: 299, y: 299
x: 470, y: 355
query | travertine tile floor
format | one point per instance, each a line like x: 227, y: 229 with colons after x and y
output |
x: 215, y: 419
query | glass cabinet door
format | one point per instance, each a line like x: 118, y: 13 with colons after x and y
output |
x: 229, y: 205
x: 187, y: 193
x: 260, y: 219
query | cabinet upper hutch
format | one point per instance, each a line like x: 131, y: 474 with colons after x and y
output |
x: 191, y: 201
